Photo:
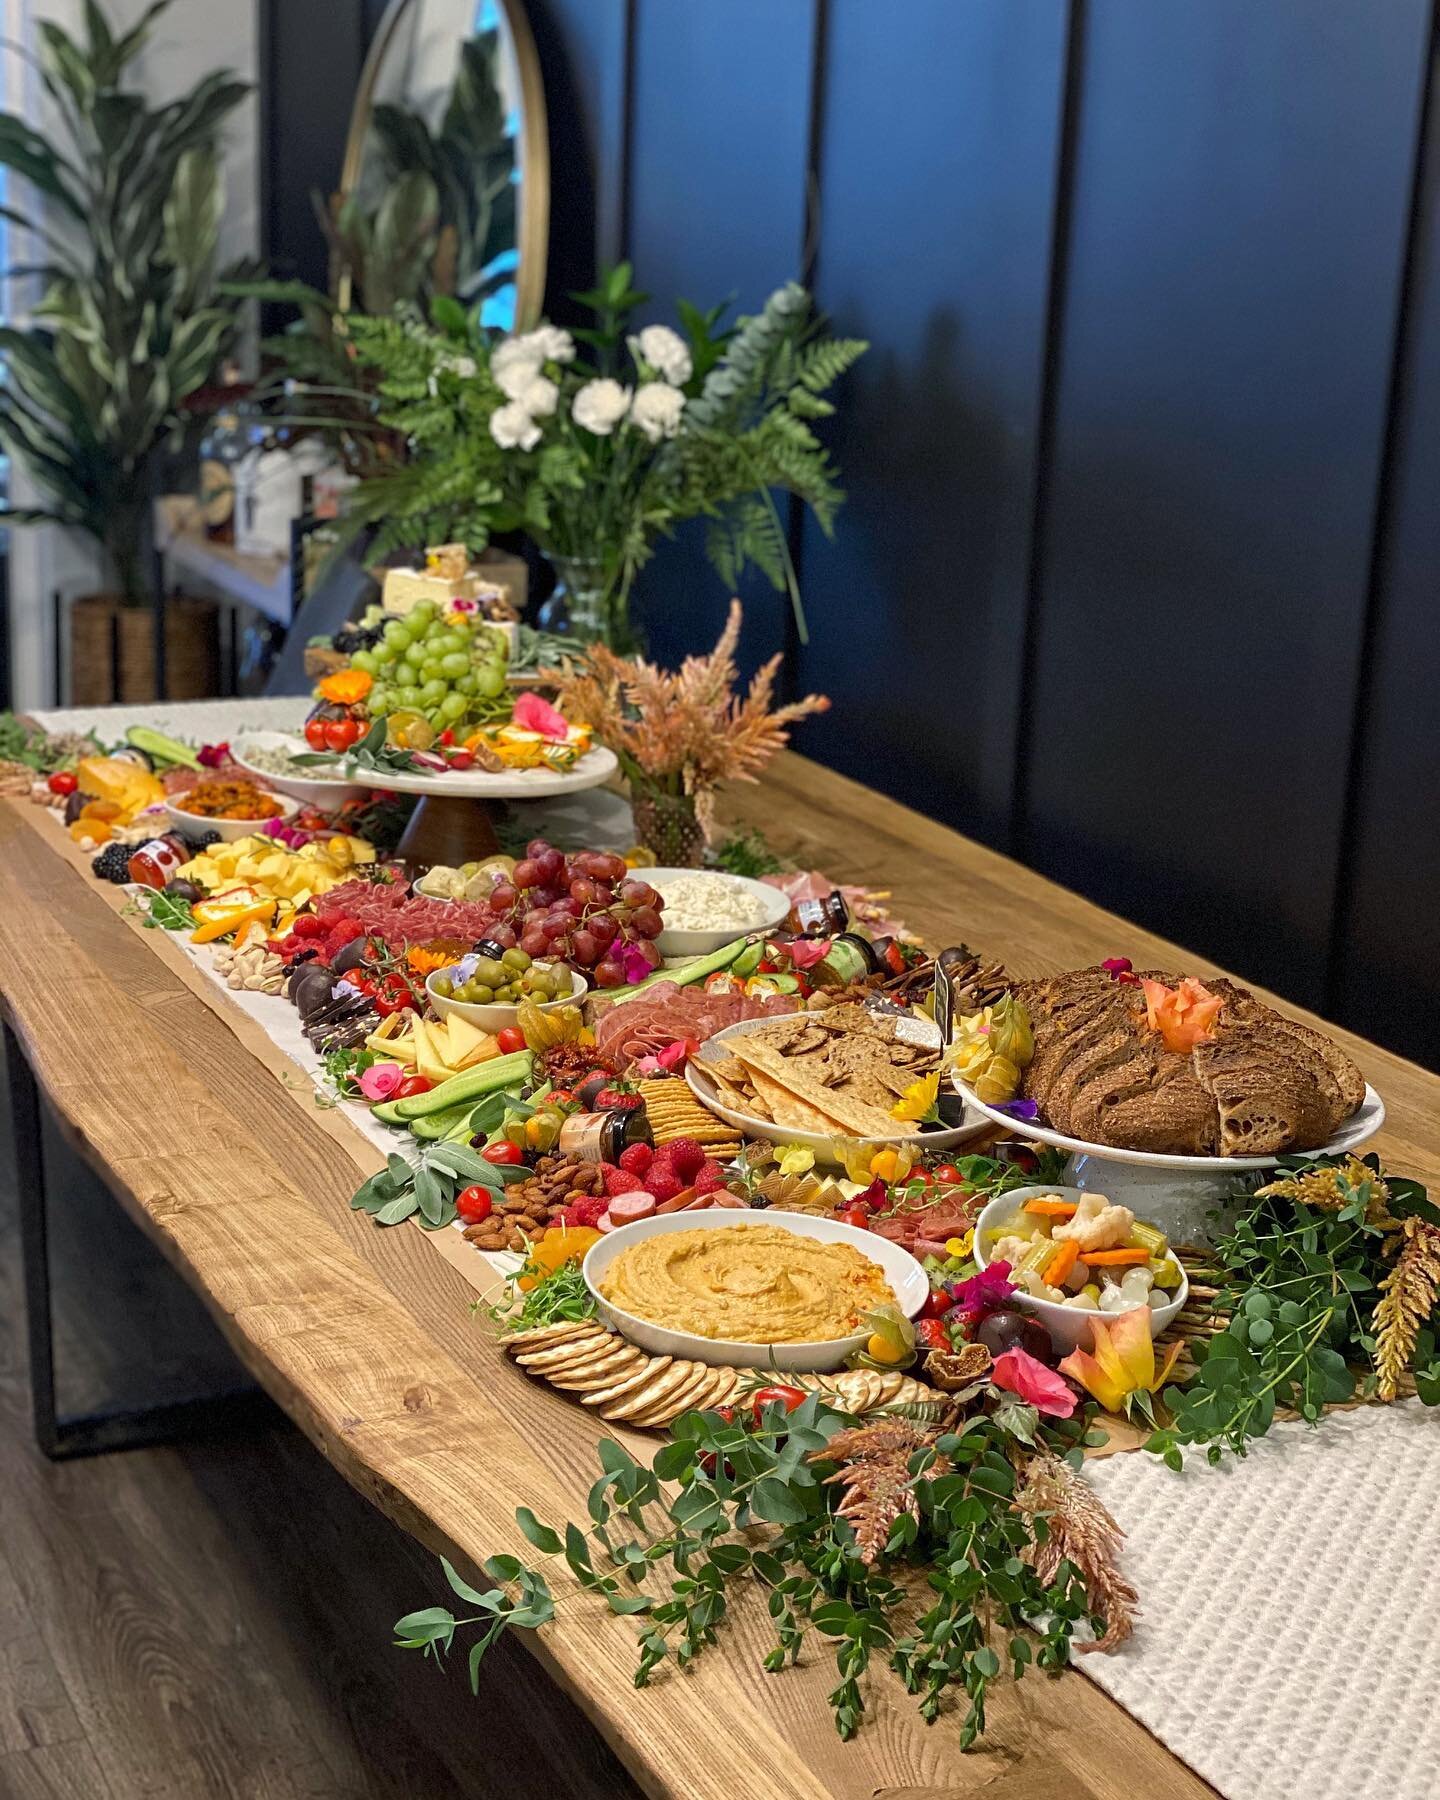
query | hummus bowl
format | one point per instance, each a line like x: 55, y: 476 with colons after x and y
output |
x: 908, y: 1284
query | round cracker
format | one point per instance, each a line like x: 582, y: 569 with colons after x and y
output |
x: 547, y: 1337
x: 891, y: 1385
x: 598, y: 1375
x: 655, y: 1365
x: 601, y: 1358
x: 679, y: 1400
x: 576, y: 1350
x: 859, y: 1389
x: 650, y: 1394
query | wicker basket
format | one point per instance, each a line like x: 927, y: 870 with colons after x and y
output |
x: 112, y: 650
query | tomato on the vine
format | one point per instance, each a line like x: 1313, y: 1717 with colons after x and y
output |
x: 340, y: 734
x: 315, y: 733
x: 393, y: 994
x: 511, y: 1039
x: 788, y: 1397
x: 949, y: 1176
x: 858, y: 1216
x: 413, y: 1084
x: 474, y: 1204
x: 502, y: 1151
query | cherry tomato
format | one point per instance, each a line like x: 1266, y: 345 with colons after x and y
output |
x: 937, y: 1305
x: 511, y: 1039
x: 315, y: 733
x: 62, y: 782
x: 413, y: 1084
x: 949, y: 1176
x: 858, y: 1216
x: 788, y: 1397
x: 923, y: 1176
x: 709, y: 1462
x: 446, y: 737
x: 472, y: 1204
x: 930, y: 1334
x: 504, y: 1152
x: 393, y: 994
x: 340, y: 734
x: 461, y: 759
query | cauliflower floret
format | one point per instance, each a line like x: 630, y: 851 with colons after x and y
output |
x: 1038, y: 1289
x: 1009, y: 1249
x: 1097, y: 1224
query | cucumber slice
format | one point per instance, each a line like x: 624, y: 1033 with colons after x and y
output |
x: 441, y: 1124
x: 684, y: 976
x: 501, y: 1072
x: 384, y: 1111
x: 166, y: 749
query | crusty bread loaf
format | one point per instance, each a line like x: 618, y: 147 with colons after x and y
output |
x: 1261, y: 1085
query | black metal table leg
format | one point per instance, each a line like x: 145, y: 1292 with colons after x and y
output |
x: 120, y: 1428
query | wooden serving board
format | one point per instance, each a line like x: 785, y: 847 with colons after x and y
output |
x: 368, y: 1341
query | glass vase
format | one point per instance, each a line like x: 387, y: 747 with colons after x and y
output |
x: 591, y: 603
x: 667, y: 826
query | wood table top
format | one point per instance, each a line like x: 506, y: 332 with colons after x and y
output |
x: 368, y: 1340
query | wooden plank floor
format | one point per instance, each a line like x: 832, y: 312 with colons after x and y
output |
x: 213, y: 1619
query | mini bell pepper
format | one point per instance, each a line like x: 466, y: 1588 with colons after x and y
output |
x: 216, y: 919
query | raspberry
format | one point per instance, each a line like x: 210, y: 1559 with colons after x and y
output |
x: 621, y: 1181
x: 637, y: 1158
x: 343, y: 932
x: 662, y: 1184
x: 585, y: 1212
x: 686, y: 1158
x: 710, y: 1178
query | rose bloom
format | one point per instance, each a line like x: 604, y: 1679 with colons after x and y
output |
x: 600, y: 406
x: 656, y: 410
x: 664, y: 350
x: 512, y: 427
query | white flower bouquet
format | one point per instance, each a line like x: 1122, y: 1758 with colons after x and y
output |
x: 598, y: 442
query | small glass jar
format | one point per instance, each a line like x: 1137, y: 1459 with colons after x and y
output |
x: 159, y: 861
x: 602, y: 1136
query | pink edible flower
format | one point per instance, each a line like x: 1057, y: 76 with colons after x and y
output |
x: 635, y: 964
x: 380, y: 1080
x: 1018, y: 1372
x: 213, y: 756
x: 986, y: 1292
x: 647, y: 1067
x: 804, y: 953
x: 674, y: 1056
x: 1120, y: 968
x: 534, y: 714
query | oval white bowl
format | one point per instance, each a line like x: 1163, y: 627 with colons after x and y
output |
x: 194, y: 825
x: 329, y: 796
x: 908, y: 1281
x: 501, y: 1014
x: 1069, y: 1326
x: 673, y: 941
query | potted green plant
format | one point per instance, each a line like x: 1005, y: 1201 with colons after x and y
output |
x: 131, y: 323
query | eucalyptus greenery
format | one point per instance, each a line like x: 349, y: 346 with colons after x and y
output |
x: 131, y: 322
x: 725, y: 1505
x: 1298, y: 1284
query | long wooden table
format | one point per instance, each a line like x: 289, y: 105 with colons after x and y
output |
x: 367, y: 1339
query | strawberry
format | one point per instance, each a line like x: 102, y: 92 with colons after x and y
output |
x: 711, y: 1177
x: 618, y: 1099
x: 585, y: 1212
x: 662, y: 1183
x: 686, y: 1158
x: 621, y: 1181
x: 637, y: 1158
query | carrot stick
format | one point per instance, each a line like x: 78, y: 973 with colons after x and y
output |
x: 1113, y: 1259
x: 1067, y: 1254
x: 1052, y: 1209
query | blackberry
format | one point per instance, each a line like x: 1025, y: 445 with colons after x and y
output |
x: 112, y: 864
x: 207, y: 838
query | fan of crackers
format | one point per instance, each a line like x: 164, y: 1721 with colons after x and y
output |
x: 674, y: 1112
x: 626, y: 1384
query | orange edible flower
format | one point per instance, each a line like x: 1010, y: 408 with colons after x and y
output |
x: 1184, y: 1016
x: 1123, y: 1365
x: 346, y: 687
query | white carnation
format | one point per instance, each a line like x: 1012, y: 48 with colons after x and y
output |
x: 514, y: 365
x: 656, y: 410
x: 512, y: 427
x: 463, y: 366
x: 600, y: 405
x: 538, y: 397
x: 548, y: 343
x: 664, y: 350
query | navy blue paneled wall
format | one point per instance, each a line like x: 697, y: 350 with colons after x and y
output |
x: 1138, y: 574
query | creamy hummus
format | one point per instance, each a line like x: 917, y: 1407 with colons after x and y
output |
x: 756, y: 1284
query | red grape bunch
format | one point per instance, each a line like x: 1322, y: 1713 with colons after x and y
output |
x: 581, y: 909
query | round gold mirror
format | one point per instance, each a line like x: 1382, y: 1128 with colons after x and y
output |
x: 446, y: 183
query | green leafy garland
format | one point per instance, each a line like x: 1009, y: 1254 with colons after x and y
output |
x: 1299, y: 1270
x: 670, y: 1544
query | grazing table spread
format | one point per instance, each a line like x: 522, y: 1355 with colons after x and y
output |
x: 180, y: 1091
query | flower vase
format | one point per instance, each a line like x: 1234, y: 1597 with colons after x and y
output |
x: 667, y: 826
x: 589, y: 604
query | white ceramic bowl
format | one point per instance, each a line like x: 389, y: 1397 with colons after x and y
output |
x: 1069, y: 1326
x: 329, y: 796
x: 501, y: 1014
x: 908, y: 1281
x: 194, y: 825
x: 674, y: 942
